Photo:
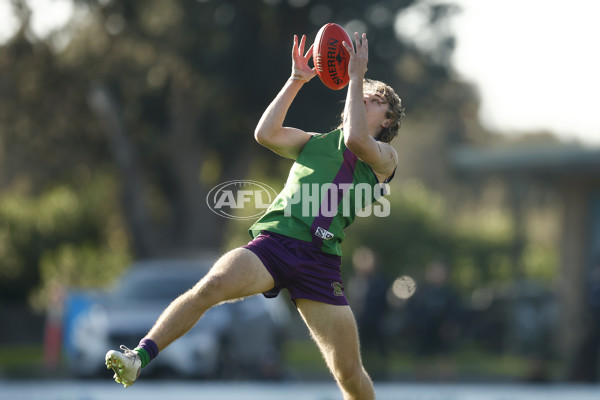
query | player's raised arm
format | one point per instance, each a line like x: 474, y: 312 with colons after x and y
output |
x: 270, y: 132
x: 365, y: 114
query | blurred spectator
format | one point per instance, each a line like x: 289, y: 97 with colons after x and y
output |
x: 537, y: 371
x: 434, y: 315
x: 585, y: 366
x: 367, y: 294
x: 54, y: 326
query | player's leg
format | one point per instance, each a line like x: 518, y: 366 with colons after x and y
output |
x: 237, y: 274
x: 334, y: 330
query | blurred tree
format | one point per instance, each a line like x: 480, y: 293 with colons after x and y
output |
x: 173, y: 90
x: 113, y: 131
x: 165, y: 96
x: 66, y: 235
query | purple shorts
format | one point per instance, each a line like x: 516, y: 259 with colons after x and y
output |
x: 301, y: 268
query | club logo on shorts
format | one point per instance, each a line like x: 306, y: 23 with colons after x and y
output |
x: 338, y: 289
x: 324, y: 233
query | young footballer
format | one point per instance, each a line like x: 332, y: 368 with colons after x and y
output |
x: 296, y: 243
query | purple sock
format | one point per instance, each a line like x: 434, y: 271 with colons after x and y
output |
x: 150, y: 347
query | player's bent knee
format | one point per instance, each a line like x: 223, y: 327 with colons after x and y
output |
x: 349, y: 373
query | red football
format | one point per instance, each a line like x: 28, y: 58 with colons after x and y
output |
x: 330, y: 57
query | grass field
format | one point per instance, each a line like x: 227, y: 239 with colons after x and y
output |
x: 464, y: 365
x: 303, y: 361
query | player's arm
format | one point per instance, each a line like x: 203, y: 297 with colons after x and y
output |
x: 270, y: 132
x: 381, y: 157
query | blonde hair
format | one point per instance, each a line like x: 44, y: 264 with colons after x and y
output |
x: 395, y: 111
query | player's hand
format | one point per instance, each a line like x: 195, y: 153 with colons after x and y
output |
x: 300, y: 69
x: 357, y: 67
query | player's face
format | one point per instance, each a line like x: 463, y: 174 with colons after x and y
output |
x: 376, y: 108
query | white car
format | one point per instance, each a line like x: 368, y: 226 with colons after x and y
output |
x: 233, y: 340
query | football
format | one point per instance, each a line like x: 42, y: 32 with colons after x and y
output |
x: 330, y: 57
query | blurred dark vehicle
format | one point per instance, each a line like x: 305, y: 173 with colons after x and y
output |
x: 233, y: 340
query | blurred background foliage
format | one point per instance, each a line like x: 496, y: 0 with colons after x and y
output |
x: 69, y: 235
x: 163, y: 97
x: 114, y: 129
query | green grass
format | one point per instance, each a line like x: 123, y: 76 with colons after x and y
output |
x: 21, y: 361
x: 20, y: 355
x: 303, y: 357
x: 466, y: 364
x: 304, y: 360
